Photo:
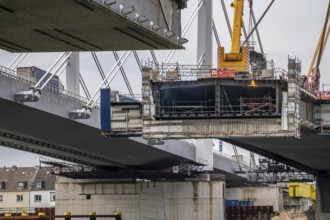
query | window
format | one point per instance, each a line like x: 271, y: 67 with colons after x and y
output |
x: 1, y: 198
x: 21, y: 185
x: 19, y: 198
x: 52, y: 196
x: 37, y: 198
x: 2, y: 185
x: 40, y: 184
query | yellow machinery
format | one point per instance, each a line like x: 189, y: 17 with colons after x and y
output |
x: 312, y: 80
x: 238, y: 58
x: 302, y: 190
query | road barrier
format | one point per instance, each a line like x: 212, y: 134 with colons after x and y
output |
x: 66, y: 216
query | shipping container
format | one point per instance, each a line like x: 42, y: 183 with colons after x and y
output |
x: 230, y: 203
x: 246, y: 203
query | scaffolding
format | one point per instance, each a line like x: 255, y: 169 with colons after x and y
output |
x: 176, y: 72
x: 182, y: 170
x: 271, y: 171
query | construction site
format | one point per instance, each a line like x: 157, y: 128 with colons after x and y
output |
x: 160, y: 154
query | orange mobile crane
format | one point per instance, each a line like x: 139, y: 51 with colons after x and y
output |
x: 237, y: 60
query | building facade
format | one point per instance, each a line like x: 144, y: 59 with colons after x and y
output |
x: 26, y: 188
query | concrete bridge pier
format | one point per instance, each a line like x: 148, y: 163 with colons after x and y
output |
x: 193, y: 199
x: 322, y: 211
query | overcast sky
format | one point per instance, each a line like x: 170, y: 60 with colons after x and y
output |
x: 292, y: 27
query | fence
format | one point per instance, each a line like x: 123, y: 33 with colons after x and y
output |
x: 56, y: 90
x: 51, y: 216
x: 249, y: 213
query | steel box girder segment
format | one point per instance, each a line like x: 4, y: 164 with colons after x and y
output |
x: 42, y: 30
x: 51, y: 150
x: 215, y: 98
x: 274, y: 156
x: 238, y: 124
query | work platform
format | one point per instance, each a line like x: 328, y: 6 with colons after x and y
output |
x: 89, y: 25
x: 204, y: 105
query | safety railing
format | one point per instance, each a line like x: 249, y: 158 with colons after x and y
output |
x: 65, y: 216
x: 245, y: 107
x: 7, y: 70
x: 14, y: 210
x: 176, y: 72
x: 49, y: 88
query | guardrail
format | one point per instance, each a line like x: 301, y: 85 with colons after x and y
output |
x: 64, y: 93
x: 65, y: 216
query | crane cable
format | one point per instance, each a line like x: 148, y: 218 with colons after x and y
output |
x: 256, y: 25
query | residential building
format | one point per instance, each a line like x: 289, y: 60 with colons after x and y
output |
x: 42, y: 192
x: 25, y: 188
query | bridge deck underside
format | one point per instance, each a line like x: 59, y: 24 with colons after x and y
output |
x: 310, y: 152
x: 43, y: 128
x: 72, y: 25
x: 43, y: 132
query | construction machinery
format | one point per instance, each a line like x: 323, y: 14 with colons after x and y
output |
x: 311, y: 82
x: 237, y: 60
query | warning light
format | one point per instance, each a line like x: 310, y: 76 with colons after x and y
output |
x: 252, y: 83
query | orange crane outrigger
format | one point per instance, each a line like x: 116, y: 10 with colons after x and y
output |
x: 237, y: 58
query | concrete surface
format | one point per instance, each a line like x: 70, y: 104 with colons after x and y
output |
x: 261, y: 196
x: 322, y: 211
x: 88, y: 25
x: 191, y: 200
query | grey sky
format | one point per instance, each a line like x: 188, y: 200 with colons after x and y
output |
x: 291, y: 27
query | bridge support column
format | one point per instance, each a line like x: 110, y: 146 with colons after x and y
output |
x: 322, y: 211
x: 71, y: 76
x: 204, y: 37
x: 193, y: 199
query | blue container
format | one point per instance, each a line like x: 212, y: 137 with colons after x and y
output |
x: 246, y: 203
x: 105, y: 110
x: 230, y: 203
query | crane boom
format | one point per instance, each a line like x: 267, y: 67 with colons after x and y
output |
x: 237, y: 26
x: 237, y: 59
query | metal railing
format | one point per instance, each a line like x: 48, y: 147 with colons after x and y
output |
x: 7, y: 70
x: 17, y: 210
x: 52, y: 89
x: 66, y: 216
x: 176, y: 72
x: 245, y: 107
